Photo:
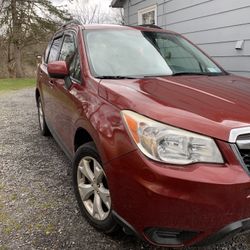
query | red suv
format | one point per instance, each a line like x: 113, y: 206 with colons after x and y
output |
x: 158, y: 133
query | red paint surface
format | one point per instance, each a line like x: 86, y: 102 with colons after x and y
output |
x: 199, y: 197
x: 58, y: 68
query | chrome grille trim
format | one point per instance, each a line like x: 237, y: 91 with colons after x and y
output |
x: 243, y: 144
x: 234, y: 133
x: 240, y: 138
x: 239, y: 157
x: 240, y: 144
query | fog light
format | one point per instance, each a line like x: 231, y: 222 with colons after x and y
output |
x: 165, y: 236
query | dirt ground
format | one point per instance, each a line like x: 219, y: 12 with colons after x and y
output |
x: 38, y: 209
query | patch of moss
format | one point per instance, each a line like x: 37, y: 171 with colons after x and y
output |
x: 3, y: 247
x: 49, y: 229
x: 9, y: 225
x: 12, y: 227
x: 46, y: 205
x: 13, y: 197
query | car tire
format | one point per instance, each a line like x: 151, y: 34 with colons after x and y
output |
x: 41, y: 118
x: 91, y: 189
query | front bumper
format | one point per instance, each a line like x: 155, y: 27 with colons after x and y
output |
x: 189, y: 203
x: 228, y: 231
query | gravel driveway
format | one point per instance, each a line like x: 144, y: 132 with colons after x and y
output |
x: 38, y: 209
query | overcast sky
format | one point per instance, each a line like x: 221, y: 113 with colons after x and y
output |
x: 104, y: 3
x: 79, y: 7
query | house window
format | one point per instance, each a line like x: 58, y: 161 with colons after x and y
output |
x: 148, y: 15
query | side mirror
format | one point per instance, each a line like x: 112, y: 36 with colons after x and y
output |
x: 58, y: 69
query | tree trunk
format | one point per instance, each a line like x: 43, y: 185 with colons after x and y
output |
x: 17, y: 52
x: 10, y: 61
x: 16, y: 39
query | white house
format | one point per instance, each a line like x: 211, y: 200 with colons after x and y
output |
x: 220, y: 27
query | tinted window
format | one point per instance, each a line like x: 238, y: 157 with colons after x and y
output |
x: 68, y: 49
x: 178, y: 57
x: 55, y: 49
x: 69, y: 53
x: 75, y: 68
x: 46, y: 53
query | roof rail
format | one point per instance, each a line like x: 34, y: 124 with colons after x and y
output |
x: 73, y: 21
x: 150, y: 26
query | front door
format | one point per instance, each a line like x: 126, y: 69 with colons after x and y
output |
x: 66, y: 104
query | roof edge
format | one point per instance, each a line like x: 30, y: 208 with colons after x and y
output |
x: 117, y: 3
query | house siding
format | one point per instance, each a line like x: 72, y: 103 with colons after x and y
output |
x: 214, y: 25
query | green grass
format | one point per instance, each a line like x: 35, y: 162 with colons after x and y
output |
x: 16, y: 84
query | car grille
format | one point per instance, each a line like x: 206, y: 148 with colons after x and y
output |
x: 245, y: 154
x: 243, y: 148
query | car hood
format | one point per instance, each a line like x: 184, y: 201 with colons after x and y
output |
x: 209, y: 105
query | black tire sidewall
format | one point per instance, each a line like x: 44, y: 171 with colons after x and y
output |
x: 44, y: 129
x: 109, y: 224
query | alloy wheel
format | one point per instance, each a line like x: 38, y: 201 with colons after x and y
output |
x: 93, y: 189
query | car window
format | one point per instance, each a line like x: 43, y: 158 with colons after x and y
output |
x: 176, y: 56
x: 69, y: 53
x: 55, y: 49
x: 75, y: 67
x: 46, y: 53
x: 133, y: 53
x: 123, y: 53
x: 68, y: 49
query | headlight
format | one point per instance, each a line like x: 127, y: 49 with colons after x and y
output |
x: 168, y: 144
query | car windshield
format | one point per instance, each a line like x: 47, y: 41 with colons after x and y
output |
x: 135, y: 53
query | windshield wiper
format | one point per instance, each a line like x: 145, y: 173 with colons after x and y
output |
x: 196, y: 73
x: 117, y: 77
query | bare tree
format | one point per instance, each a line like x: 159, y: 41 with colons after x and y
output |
x: 119, y: 17
x: 89, y: 12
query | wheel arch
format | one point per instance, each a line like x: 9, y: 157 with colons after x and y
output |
x: 81, y: 137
